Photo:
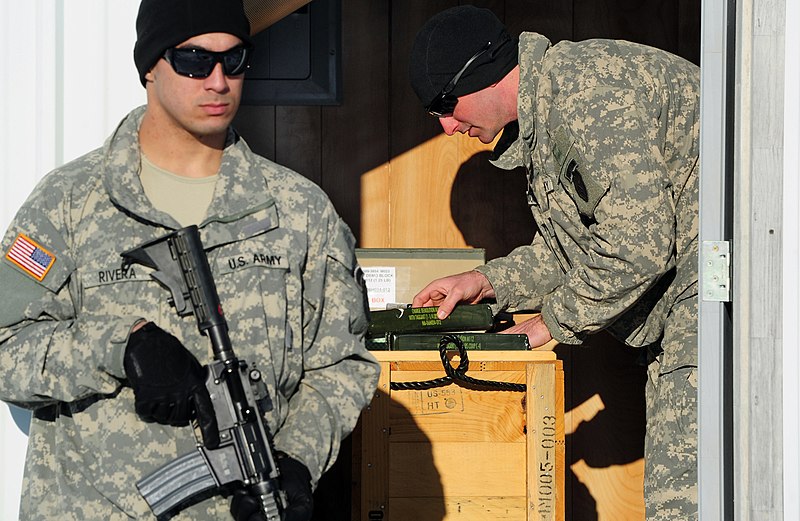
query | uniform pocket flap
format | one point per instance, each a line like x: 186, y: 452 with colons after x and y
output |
x: 583, y: 189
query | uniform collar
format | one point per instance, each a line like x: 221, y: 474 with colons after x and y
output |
x: 514, y: 150
x: 241, y: 188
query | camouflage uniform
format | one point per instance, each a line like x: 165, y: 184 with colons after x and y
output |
x: 609, y: 133
x: 284, y: 265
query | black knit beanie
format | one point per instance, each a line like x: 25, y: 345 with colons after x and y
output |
x: 448, y: 40
x: 162, y: 24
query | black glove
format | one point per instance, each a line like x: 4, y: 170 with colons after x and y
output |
x: 168, y: 382
x: 296, y: 482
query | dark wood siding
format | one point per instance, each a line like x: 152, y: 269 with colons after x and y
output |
x: 380, y: 119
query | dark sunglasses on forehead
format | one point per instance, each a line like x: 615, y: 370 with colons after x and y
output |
x: 200, y: 63
x: 445, y: 103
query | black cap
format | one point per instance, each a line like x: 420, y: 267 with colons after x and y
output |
x: 162, y: 24
x: 448, y: 40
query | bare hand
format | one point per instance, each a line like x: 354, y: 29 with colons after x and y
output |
x: 535, y: 328
x: 469, y: 287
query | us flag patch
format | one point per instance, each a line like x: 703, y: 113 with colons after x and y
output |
x: 30, y: 257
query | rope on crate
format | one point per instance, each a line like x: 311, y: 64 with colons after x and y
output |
x: 456, y: 374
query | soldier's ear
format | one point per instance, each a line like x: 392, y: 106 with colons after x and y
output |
x: 149, y: 76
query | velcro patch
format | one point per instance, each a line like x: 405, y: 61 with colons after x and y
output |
x: 30, y: 257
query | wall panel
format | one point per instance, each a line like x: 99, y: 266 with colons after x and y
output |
x: 355, y: 135
x: 398, y: 181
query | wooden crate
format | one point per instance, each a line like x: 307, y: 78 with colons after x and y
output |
x: 456, y: 454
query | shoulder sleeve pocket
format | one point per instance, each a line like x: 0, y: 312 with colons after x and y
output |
x: 21, y: 289
x: 18, y: 292
x: 575, y: 176
x: 347, y: 274
x: 35, y: 262
x: 34, y: 248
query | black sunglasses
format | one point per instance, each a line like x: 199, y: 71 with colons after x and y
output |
x: 200, y: 63
x: 445, y: 103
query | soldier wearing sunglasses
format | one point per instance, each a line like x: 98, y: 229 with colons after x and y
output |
x: 608, y: 133
x: 113, y: 375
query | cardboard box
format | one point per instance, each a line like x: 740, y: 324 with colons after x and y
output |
x: 395, y: 275
x: 453, y: 453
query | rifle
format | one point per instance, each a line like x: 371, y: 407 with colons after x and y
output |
x: 244, y: 455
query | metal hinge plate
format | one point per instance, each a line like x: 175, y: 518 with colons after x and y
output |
x: 715, y: 259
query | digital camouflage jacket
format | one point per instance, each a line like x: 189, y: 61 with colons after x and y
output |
x: 609, y: 136
x: 285, y: 269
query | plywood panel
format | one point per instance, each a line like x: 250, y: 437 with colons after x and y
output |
x: 488, y: 473
x: 355, y: 135
x: 545, y: 443
x: 424, y: 162
x: 375, y: 225
x: 373, y: 435
x: 472, y: 415
x: 552, y: 18
x: 410, y: 125
x: 298, y: 140
x: 502, y: 469
x: 623, y: 19
x: 488, y: 204
x: 759, y: 442
x: 420, y: 188
x: 689, y: 30
x: 257, y: 126
x: 605, y: 427
x: 615, y: 489
x: 456, y: 508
